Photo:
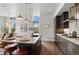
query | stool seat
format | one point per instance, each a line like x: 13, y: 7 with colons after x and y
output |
x: 9, y: 48
x: 22, y: 51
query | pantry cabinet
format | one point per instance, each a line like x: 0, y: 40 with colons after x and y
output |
x: 72, y: 13
x: 62, y: 22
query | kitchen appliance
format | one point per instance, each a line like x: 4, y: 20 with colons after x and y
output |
x: 74, y: 34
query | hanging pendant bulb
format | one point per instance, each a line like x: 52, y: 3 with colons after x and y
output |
x: 19, y: 17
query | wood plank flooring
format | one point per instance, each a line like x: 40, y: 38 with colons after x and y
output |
x: 50, y: 48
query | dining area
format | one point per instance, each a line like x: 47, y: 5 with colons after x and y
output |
x: 17, y: 37
x: 20, y: 45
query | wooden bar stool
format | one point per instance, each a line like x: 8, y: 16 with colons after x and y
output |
x: 2, y: 44
x: 10, y: 48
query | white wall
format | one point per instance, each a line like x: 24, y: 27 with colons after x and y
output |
x: 47, y: 20
x: 8, y: 9
x: 2, y: 24
x: 47, y: 27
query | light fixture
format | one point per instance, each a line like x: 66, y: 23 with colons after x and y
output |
x: 19, y: 16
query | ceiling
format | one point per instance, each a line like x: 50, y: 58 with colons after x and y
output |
x: 41, y: 8
x: 65, y: 7
x: 44, y: 8
x: 48, y: 8
x: 6, y: 9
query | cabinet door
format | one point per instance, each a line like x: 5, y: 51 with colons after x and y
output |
x: 58, y: 21
x: 64, y: 46
x: 66, y: 25
x: 75, y: 49
x: 69, y: 48
x: 72, y: 13
x: 72, y: 49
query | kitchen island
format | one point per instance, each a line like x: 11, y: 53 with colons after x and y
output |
x: 33, y: 44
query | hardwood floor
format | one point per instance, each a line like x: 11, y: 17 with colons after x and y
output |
x: 50, y: 48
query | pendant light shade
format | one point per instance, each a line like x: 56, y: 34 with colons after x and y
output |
x: 19, y: 17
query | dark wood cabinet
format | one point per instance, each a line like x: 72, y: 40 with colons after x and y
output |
x: 64, y: 15
x: 59, y: 25
x: 66, y: 24
x: 62, y: 22
x: 58, y: 22
x: 65, y: 21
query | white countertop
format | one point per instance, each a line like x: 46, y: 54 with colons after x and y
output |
x: 31, y: 41
x: 73, y: 40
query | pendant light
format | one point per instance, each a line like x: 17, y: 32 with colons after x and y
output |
x: 19, y: 16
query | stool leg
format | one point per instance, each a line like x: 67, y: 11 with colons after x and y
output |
x: 10, y: 53
x: 4, y: 53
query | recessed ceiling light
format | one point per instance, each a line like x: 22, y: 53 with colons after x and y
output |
x: 49, y: 9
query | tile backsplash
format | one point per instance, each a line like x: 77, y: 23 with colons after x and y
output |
x: 73, y: 26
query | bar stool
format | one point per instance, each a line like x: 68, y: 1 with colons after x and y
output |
x: 10, y: 48
x: 2, y: 44
x: 22, y: 51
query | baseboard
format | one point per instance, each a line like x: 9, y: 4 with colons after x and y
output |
x: 48, y: 40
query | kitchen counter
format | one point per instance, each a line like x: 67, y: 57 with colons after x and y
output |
x: 33, y: 40
x: 34, y: 44
x: 73, y: 40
